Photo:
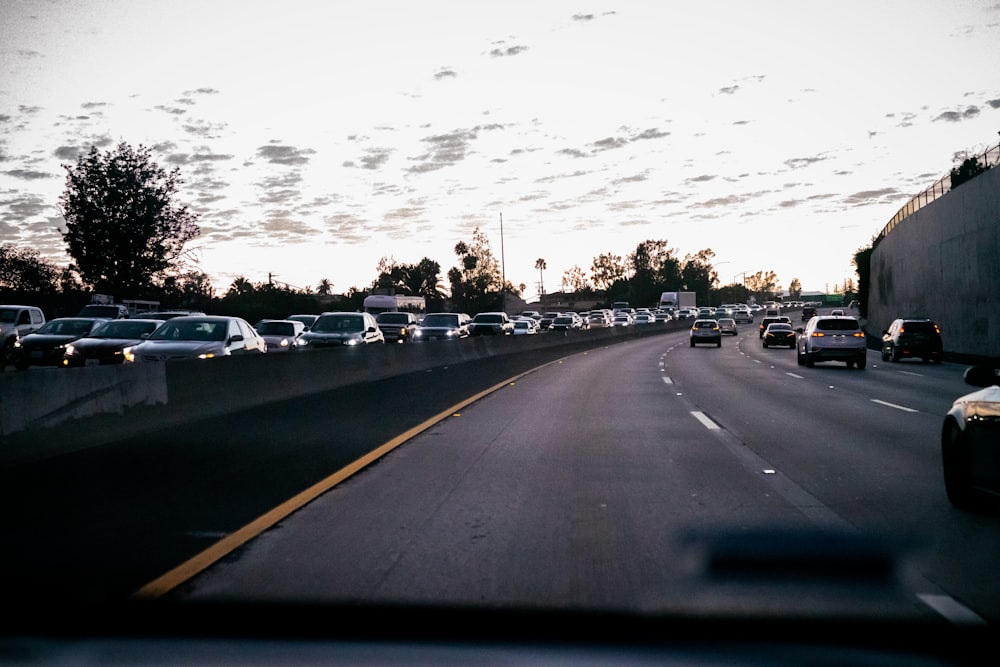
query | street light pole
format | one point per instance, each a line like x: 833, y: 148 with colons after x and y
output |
x: 503, y: 271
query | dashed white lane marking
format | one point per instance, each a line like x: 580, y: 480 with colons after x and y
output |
x: 893, y: 405
x: 798, y: 377
x: 706, y: 422
x: 667, y: 380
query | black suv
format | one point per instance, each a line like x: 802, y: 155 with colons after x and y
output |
x: 910, y: 338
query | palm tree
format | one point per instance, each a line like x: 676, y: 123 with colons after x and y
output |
x: 325, y: 287
x: 541, y: 266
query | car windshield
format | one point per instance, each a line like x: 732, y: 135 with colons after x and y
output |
x: 440, y: 320
x: 276, y: 329
x: 393, y: 318
x: 125, y: 329
x: 191, y: 330
x: 459, y: 163
x: 66, y: 327
x: 338, y: 323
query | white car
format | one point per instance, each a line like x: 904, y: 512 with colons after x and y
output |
x: 197, y: 337
x: 832, y: 338
x: 281, y: 335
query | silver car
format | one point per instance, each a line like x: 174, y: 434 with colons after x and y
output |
x: 281, y: 335
x: 197, y: 337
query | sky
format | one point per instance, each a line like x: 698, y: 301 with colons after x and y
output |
x: 315, y: 138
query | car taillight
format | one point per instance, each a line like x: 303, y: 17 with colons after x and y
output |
x: 818, y: 334
x: 858, y: 334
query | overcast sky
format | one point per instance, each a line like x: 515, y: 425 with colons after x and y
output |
x: 315, y: 138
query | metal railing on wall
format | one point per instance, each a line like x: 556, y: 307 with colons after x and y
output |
x: 941, y: 187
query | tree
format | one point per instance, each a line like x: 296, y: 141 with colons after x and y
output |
x: 123, y: 229
x: 698, y: 275
x: 576, y: 280
x: 762, y: 285
x: 655, y: 269
x: 862, y: 265
x: 606, y: 270
x: 477, y: 286
x: 541, y: 266
x: 324, y: 288
x: 969, y: 169
x: 24, y: 270
x: 794, y: 289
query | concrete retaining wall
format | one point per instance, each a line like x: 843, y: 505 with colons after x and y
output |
x: 100, y: 404
x: 943, y: 262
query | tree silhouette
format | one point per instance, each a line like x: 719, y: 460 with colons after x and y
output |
x: 123, y: 229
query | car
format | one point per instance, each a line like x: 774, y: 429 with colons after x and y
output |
x: 771, y: 320
x: 564, y: 322
x: 340, y: 328
x: 523, y: 326
x: 622, y: 320
x: 808, y: 312
x: 645, y: 318
x: 281, y: 335
x: 546, y: 320
x: 837, y: 312
x: 598, y: 320
x: 17, y: 321
x: 397, y: 326
x: 727, y: 326
x: 106, y: 344
x: 910, y: 338
x: 441, y: 326
x: 495, y: 323
x: 114, y: 311
x: 189, y: 337
x: 832, y: 338
x: 45, y: 347
x: 970, y: 437
x: 779, y: 334
x: 533, y: 314
x: 706, y: 331
x: 743, y: 315
x: 306, y: 319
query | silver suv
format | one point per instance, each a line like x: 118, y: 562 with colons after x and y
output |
x: 832, y: 338
x: 17, y: 321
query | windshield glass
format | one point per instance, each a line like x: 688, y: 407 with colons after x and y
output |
x: 124, y: 329
x: 440, y: 320
x: 460, y: 163
x: 193, y: 330
x: 66, y: 327
x: 338, y: 323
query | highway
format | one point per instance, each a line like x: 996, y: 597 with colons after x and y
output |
x: 600, y: 480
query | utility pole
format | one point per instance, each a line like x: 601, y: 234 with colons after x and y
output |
x: 503, y: 271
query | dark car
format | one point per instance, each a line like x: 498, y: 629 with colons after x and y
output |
x: 808, y: 312
x: 779, y: 334
x: 910, y: 338
x: 397, y: 327
x: 491, y: 324
x: 970, y: 441
x: 774, y: 319
x: 442, y: 326
x: 107, y: 343
x: 336, y: 329
x: 46, y: 346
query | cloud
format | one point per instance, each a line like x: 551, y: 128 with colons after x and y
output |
x: 956, y: 116
x: 729, y: 90
x: 445, y: 150
x: 279, y: 154
x: 509, y: 51
x: 866, y: 197
x: 994, y: 104
x: 445, y: 74
x: 29, y: 175
x: 799, y: 162
x: 204, y: 128
x: 652, y: 133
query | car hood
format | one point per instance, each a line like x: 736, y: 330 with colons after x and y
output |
x: 986, y: 395
x: 178, y: 348
x: 105, y: 343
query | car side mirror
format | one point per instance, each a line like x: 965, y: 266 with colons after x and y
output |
x: 236, y: 339
x: 885, y: 332
x: 981, y: 376
x: 371, y: 329
x: 800, y: 330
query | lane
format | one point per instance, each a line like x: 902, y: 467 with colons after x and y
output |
x: 585, y: 502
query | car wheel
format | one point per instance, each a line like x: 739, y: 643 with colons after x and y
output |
x: 862, y: 362
x: 718, y: 343
x: 896, y: 355
x: 955, y: 466
x: 809, y: 360
x: 885, y: 354
x: 692, y: 343
x: 800, y: 358
x: 764, y: 343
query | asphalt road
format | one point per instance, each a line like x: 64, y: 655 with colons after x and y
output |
x: 602, y: 480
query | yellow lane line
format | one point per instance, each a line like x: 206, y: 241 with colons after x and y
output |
x: 193, y: 566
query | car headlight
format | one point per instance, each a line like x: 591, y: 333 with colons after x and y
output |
x: 70, y: 350
x: 129, y: 354
x: 207, y: 355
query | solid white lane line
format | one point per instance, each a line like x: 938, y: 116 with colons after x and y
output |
x: 893, y: 405
x: 705, y: 421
